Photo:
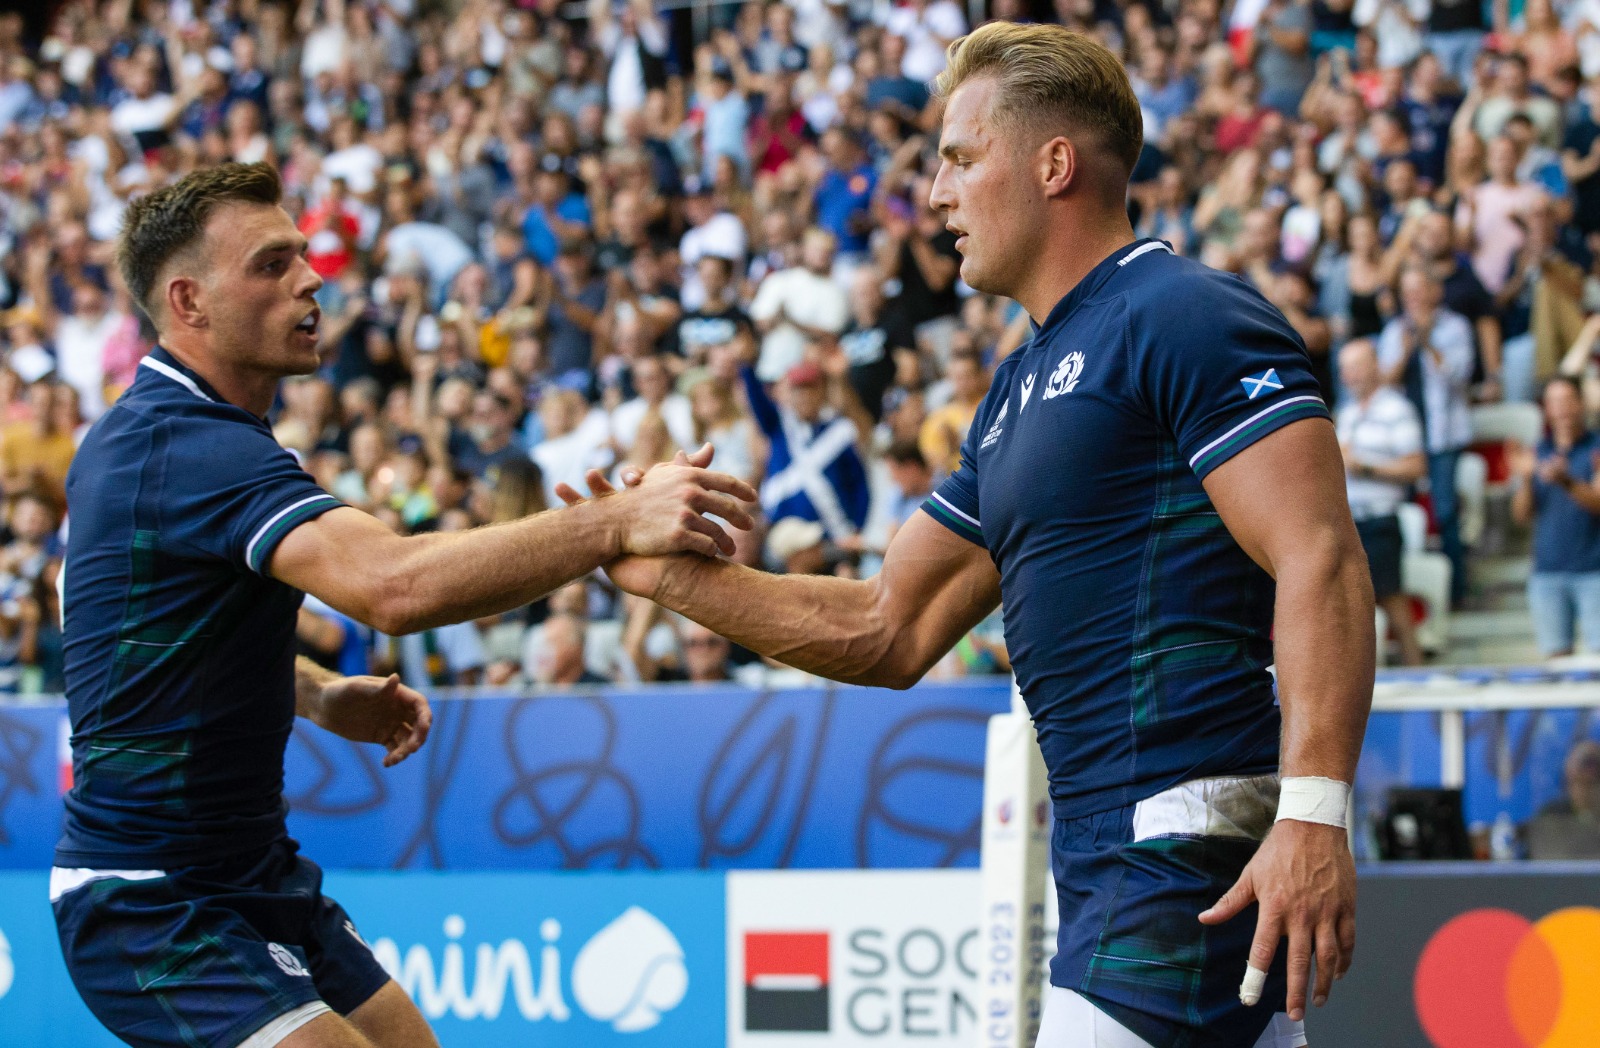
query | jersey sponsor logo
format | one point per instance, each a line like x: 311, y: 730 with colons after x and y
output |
x: 998, y: 427
x: 287, y: 961
x: 630, y: 973
x: 1266, y: 382
x: 1027, y: 391
x: 1065, y: 377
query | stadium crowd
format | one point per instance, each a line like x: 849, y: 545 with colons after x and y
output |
x: 564, y: 236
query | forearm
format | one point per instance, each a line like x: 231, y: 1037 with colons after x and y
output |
x: 1325, y: 652
x: 1585, y: 495
x: 442, y: 578
x: 309, y: 679
x: 1522, y: 501
x: 829, y: 626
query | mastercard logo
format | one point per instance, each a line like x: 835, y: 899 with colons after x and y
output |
x: 1494, y: 979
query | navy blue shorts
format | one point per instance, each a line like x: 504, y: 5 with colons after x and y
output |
x: 1131, y: 883
x: 206, y: 955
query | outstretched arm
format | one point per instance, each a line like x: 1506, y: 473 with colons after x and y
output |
x: 401, y: 585
x: 1283, y: 499
x: 886, y: 631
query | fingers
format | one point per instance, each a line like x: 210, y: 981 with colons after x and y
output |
x: 1347, y: 944
x: 568, y: 494
x: 1328, y: 962
x: 599, y: 486
x: 727, y: 507
x: 700, y: 527
x: 1242, y: 894
x: 701, y: 458
x: 412, y: 733
x: 1262, y: 949
x: 723, y: 482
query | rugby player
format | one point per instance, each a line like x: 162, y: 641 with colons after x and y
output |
x: 186, y: 916
x: 1154, y: 490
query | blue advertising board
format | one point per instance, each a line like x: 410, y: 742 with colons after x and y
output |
x: 492, y: 960
x: 528, y: 960
x: 660, y: 778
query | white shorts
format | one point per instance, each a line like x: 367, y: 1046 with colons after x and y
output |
x: 1070, y: 1021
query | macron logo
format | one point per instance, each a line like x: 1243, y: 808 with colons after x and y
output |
x: 1266, y: 382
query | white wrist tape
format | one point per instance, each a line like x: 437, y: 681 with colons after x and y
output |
x: 1311, y: 798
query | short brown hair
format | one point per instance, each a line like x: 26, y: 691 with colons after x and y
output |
x: 1053, y: 77
x: 172, y: 220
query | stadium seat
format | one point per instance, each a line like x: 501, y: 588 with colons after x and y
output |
x: 1472, y: 486
x: 1425, y: 577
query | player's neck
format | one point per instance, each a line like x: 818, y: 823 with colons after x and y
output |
x: 1070, y: 256
x: 251, y: 390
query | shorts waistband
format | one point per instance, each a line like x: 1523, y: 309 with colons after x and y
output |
x: 1223, y: 806
x: 66, y: 879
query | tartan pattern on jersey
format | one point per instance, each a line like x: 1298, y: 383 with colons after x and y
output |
x: 1193, y: 632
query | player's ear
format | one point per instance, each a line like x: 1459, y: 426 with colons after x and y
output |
x: 1058, y: 165
x: 185, y: 302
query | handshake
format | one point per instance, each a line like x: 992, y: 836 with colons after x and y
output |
x: 664, y: 514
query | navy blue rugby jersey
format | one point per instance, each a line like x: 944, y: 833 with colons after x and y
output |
x: 1138, y: 628
x: 179, y: 645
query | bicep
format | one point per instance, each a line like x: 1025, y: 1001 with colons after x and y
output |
x: 934, y: 587
x: 340, y: 557
x: 1284, y: 496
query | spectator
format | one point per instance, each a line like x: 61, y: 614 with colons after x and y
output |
x: 928, y: 28
x: 1569, y: 828
x: 815, y: 471
x: 1427, y: 351
x: 1558, y: 491
x: 1380, y: 436
x: 798, y: 304
x: 331, y: 639
x: 705, y: 654
x: 559, y: 662
x: 946, y: 428
x: 447, y: 657
x: 843, y: 194
x: 1283, y: 53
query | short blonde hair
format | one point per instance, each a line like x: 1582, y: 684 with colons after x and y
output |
x: 1050, y: 77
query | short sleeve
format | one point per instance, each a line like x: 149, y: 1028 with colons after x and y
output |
x: 954, y: 503
x: 233, y: 492
x: 1221, y: 383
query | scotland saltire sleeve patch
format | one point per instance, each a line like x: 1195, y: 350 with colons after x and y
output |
x: 944, y: 509
x: 1266, y: 382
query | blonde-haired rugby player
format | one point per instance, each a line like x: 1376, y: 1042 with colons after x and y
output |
x: 1154, y: 490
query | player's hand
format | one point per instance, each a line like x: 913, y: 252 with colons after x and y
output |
x: 1305, y: 882
x: 375, y: 709
x: 671, y: 499
x: 666, y: 512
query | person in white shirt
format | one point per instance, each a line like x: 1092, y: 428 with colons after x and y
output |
x: 577, y: 439
x: 80, y: 340
x: 146, y: 115
x: 713, y: 230
x: 798, y: 304
x: 1380, y: 435
x: 928, y: 28
x: 1428, y: 352
x: 627, y: 39
x: 653, y: 384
